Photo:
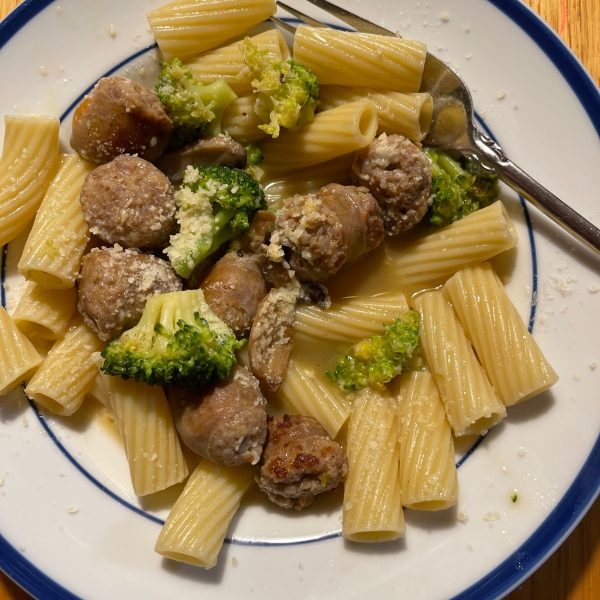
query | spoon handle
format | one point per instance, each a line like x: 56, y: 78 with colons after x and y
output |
x: 491, y: 155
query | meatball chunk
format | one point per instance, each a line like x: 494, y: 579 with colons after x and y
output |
x: 299, y: 461
x: 120, y: 116
x: 398, y: 175
x: 337, y: 227
x: 226, y: 422
x: 217, y: 150
x: 114, y: 286
x: 234, y: 288
x: 129, y: 202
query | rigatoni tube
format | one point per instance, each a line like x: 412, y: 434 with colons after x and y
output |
x: 471, y: 404
x: 509, y: 354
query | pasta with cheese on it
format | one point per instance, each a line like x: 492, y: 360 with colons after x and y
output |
x: 57, y: 241
x: 196, y: 526
x: 152, y: 446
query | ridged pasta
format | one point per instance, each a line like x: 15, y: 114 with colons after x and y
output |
x: 99, y: 389
x: 309, y: 392
x: 186, y: 27
x: 429, y: 478
x: 308, y: 181
x: 196, y: 526
x: 350, y: 320
x: 241, y: 122
x: 227, y: 62
x: 472, y: 406
x: 18, y: 358
x: 67, y: 373
x: 509, y: 354
x: 152, y: 447
x: 44, y: 314
x: 333, y: 133
x: 361, y: 59
x: 29, y: 162
x: 405, y: 114
x: 55, y: 246
x: 372, y: 491
x: 477, y: 237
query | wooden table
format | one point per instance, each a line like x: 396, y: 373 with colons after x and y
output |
x: 573, y: 572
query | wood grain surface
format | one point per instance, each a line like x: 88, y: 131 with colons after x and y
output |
x: 573, y: 571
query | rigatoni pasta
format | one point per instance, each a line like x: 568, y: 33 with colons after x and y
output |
x: 196, y: 526
x: 241, y: 122
x: 44, y: 314
x: 372, y: 492
x: 67, y: 373
x: 309, y: 392
x: 350, y: 320
x: 18, y: 358
x: 509, y: 354
x: 429, y: 477
x: 146, y: 427
x: 360, y: 59
x: 435, y: 257
x: 404, y: 114
x: 55, y: 245
x: 471, y: 404
x: 333, y: 133
x: 228, y: 63
x: 29, y: 162
x: 186, y: 27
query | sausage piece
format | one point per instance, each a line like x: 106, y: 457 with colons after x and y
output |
x: 299, y: 461
x: 129, y: 202
x: 319, y: 234
x: 226, y: 422
x: 233, y: 288
x: 114, y: 286
x: 217, y: 150
x: 120, y: 116
x: 398, y: 175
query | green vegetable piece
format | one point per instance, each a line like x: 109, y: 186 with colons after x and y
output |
x: 254, y: 154
x: 514, y: 497
x: 287, y: 91
x: 214, y: 205
x: 178, y: 341
x: 195, y: 109
x: 458, y: 188
x: 376, y: 361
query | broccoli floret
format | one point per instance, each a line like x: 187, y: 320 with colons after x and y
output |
x: 254, y: 155
x: 194, y: 108
x: 287, y: 91
x: 459, y: 188
x: 374, y: 362
x: 178, y: 341
x: 214, y: 205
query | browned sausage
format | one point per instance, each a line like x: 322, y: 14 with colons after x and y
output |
x: 129, y: 202
x: 398, y: 175
x: 233, y: 288
x: 120, y: 116
x: 217, y: 150
x: 322, y: 233
x: 299, y: 461
x: 115, y: 285
x: 225, y: 422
